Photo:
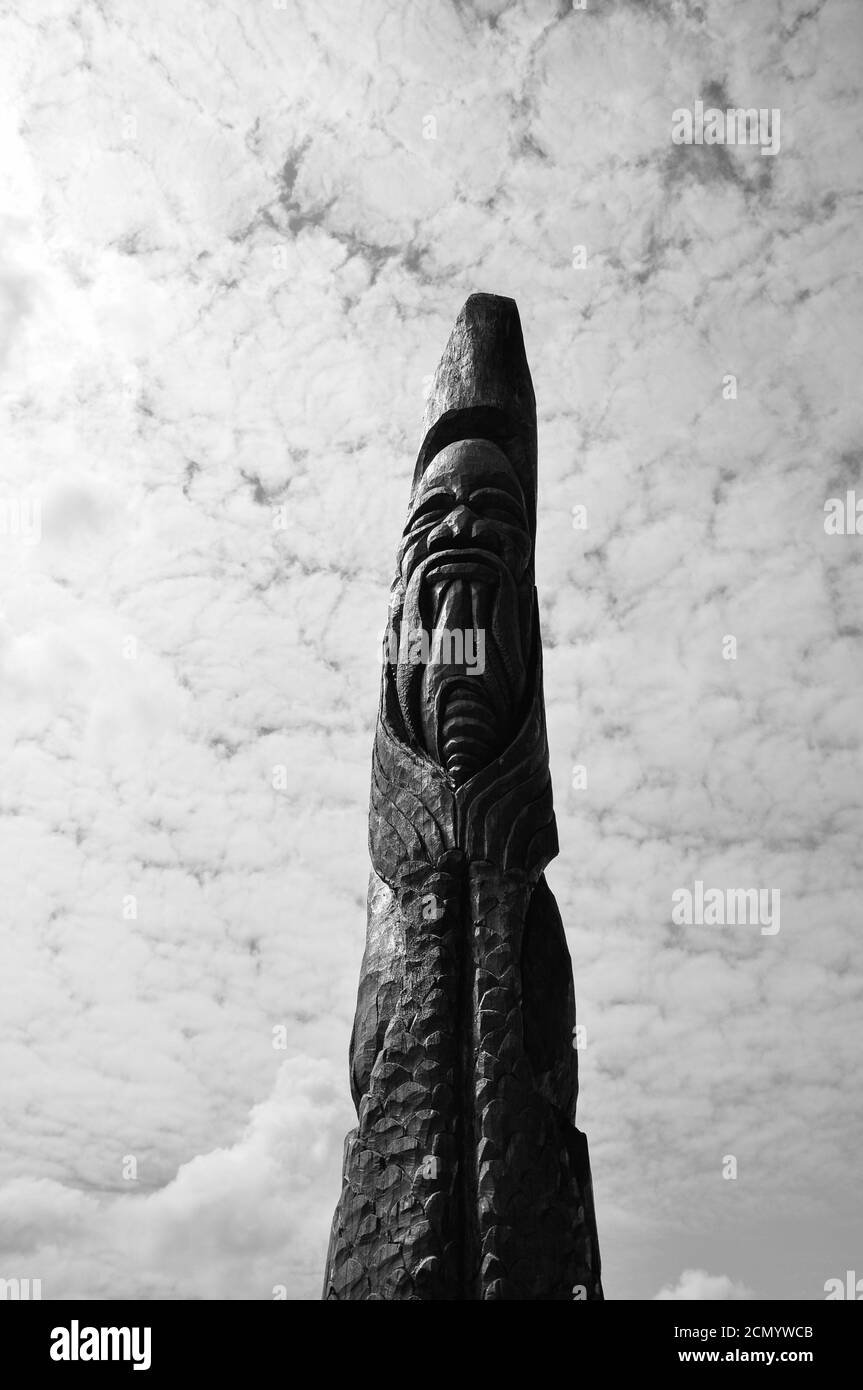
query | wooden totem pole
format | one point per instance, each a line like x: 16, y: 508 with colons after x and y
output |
x: 465, y: 1177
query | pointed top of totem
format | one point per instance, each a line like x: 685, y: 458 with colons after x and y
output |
x: 482, y: 390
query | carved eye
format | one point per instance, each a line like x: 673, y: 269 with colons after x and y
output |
x: 430, y: 511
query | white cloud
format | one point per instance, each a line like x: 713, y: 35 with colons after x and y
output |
x: 699, y: 1285
x: 232, y: 1224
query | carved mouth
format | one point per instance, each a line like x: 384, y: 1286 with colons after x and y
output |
x: 462, y: 570
x: 459, y: 587
x: 481, y: 565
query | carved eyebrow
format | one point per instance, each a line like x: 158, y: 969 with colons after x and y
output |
x: 502, y: 497
x: 504, y: 481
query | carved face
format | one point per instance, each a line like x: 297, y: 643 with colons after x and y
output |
x: 464, y: 568
x: 468, y: 499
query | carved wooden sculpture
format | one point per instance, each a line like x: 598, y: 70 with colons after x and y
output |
x: 465, y: 1177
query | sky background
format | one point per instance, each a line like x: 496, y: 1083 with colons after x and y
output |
x: 233, y: 240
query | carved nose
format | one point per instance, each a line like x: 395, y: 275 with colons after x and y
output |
x: 457, y: 525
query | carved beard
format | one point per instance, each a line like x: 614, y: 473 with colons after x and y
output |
x: 461, y: 717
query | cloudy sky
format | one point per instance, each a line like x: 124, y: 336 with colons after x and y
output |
x: 234, y: 237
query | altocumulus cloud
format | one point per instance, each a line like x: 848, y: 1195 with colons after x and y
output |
x: 235, y: 1223
x: 697, y: 1284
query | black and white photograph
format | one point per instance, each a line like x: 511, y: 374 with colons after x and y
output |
x: 431, y: 572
